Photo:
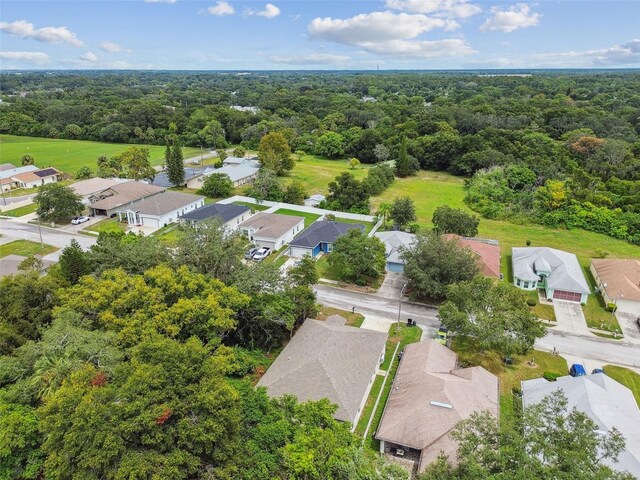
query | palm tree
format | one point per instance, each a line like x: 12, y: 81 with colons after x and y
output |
x: 384, y: 209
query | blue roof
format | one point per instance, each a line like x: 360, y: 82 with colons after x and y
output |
x: 323, y: 232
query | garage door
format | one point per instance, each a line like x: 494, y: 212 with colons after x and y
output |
x: 299, y: 252
x: 571, y: 296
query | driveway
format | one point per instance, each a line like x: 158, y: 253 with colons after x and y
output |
x: 570, y: 317
x: 392, y: 285
x: 630, y: 328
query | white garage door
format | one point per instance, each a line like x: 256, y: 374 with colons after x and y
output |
x: 299, y: 252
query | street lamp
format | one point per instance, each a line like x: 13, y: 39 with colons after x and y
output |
x: 400, y: 307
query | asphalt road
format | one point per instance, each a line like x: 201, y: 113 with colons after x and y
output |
x: 366, y: 303
x: 7, y: 199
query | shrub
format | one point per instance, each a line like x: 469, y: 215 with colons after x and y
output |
x: 531, y: 302
x: 551, y: 376
x: 601, y: 253
x: 611, y: 307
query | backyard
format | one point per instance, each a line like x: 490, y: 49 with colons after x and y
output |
x: 25, y: 248
x: 309, y: 218
x: 315, y: 172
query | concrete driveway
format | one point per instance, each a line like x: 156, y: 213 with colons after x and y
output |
x: 630, y: 328
x: 392, y: 286
x: 570, y: 317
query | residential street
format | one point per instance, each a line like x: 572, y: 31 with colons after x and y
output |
x: 596, y: 350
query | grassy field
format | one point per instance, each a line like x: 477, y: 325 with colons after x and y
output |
x: 510, y: 376
x: 21, y: 211
x: 25, y: 248
x: 69, y: 155
x: 316, y: 172
x: 309, y: 218
x: 628, y: 378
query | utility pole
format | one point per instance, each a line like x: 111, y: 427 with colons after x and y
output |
x: 400, y: 307
x: 615, y: 307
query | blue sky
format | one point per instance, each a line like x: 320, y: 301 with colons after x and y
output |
x: 318, y: 34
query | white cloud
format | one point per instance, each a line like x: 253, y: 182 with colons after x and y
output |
x: 30, y: 57
x: 626, y: 54
x: 88, y: 57
x: 444, y: 8
x: 160, y: 1
x: 514, y: 17
x: 112, y: 47
x: 24, y: 29
x: 270, y: 11
x: 388, y: 33
x: 311, y: 59
x: 221, y: 8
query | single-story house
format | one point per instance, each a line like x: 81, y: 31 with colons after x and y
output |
x: 238, y: 174
x: 326, y: 359
x: 272, y: 230
x: 229, y: 214
x: 91, y: 186
x: 117, y: 198
x: 619, y: 282
x: 28, y: 176
x: 487, y: 251
x: 232, y: 161
x: 393, y: 243
x: 314, y: 200
x: 159, y: 210
x: 557, y: 272
x: 429, y: 396
x: 162, y: 178
x: 608, y: 403
x: 319, y: 237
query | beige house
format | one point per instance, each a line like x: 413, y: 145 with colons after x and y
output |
x: 272, y: 230
x: 619, y: 282
x: 326, y: 359
x: 120, y: 197
x: 429, y: 396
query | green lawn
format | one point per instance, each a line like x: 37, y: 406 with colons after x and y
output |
x: 107, y: 225
x: 368, y: 406
x: 545, y: 312
x: 25, y: 248
x: 315, y: 172
x: 354, y: 319
x: 21, y: 211
x: 69, y: 155
x: 368, y: 226
x: 627, y: 377
x: 309, y: 218
x: 510, y: 376
x: 325, y: 270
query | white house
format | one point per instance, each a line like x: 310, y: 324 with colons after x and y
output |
x: 28, y: 176
x: 272, y: 230
x: 162, y: 209
x: 557, y: 272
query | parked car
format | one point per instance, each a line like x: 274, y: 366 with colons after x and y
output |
x: 598, y: 370
x: 577, y: 370
x: 79, y: 220
x: 441, y: 335
x: 261, y: 254
x: 248, y: 255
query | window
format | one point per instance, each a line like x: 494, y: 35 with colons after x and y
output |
x: 518, y: 282
x: 526, y: 285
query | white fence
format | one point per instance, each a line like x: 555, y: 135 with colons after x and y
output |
x: 274, y: 206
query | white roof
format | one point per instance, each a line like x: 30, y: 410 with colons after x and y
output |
x: 17, y: 171
x: 609, y: 403
x: 236, y: 172
x: 393, y: 241
x: 566, y: 273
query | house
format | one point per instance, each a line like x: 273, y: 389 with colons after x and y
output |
x: 272, y: 230
x: 28, y: 176
x: 394, y: 242
x: 314, y: 200
x: 608, y: 403
x: 557, y: 272
x: 319, y: 237
x: 160, y: 210
x: 429, y: 396
x: 9, y: 264
x: 91, y: 186
x: 239, y: 175
x: 234, y: 161
x: 162, y: 178
x: 229, y: 214
x: 487, y: 252
x: 619, y: 282
x: 326, y: 359
x: 117, y: 198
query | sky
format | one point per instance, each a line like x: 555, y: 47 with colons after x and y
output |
x: 318, y: 34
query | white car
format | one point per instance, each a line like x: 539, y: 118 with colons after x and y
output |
x: 261, y: 254
x: 79, y: 220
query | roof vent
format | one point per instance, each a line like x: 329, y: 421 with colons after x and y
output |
x: 440, y: 404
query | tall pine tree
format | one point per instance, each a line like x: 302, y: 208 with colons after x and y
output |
x: 175, y: 164
x: 403, y: 163
x: 73, y: 262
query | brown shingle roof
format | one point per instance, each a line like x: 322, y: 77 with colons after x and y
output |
x: 620, y: 275
x: 430, y: 396
x: 124, y: 193
x: 325, y: 360
x: 271, y: 225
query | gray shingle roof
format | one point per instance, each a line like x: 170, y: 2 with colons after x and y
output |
x: 566, y: 273
x: 325, y: 360
x: 165, y: 202
x: 323, y: 232
x: 606, y: 401
x: 224, y: 212
x: 270, y: 225
x: 393, y: 242
x: 162, y: 179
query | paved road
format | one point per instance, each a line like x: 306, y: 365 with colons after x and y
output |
x: 373, y: 305
x: 7, y: 200
x: 51, y: 236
